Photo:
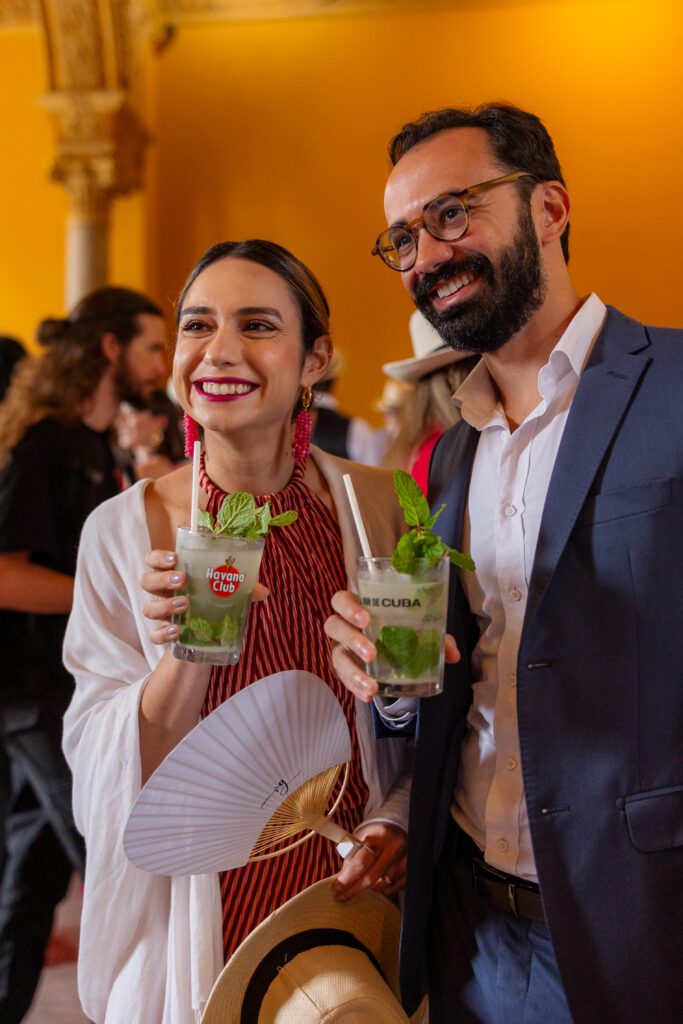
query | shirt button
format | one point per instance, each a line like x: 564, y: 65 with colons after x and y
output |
x: 512, y: 679
x: 510, y: 510
x: 502, y: 844
x: 511, y: 764
x: 515, y: 595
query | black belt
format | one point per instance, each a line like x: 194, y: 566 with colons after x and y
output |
x: 500, y: 890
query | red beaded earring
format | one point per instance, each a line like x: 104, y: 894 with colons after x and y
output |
x: 191, y: 435
x: 303, y: 427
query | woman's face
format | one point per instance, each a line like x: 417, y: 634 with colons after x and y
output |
x: 239, y: 359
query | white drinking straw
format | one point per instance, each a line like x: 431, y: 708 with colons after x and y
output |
x: 353, y: 502
x: 196, y: 452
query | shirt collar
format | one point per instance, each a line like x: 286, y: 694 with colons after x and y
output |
x: 478, y: 397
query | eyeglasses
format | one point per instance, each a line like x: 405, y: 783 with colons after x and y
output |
x: 446, y: 217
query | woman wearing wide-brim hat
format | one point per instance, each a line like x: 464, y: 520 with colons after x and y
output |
x: 435, y: 370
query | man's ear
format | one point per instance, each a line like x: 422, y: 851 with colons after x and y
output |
x: 317, y: 360
x: 111, y: 346
x: 553, y: 210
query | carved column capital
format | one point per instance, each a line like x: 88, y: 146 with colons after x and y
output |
x: 100, y: 147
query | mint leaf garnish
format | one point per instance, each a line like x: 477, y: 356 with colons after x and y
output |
x: 284, y: 518
x: 206, y: 520
x: 236, y: 514
x: 227, y: 629
x: 201, y: 630
x: 420, y: 548
x: 240, y: 516
x: 397, y: 644
x: 411, y: 499
x: 427, y: 653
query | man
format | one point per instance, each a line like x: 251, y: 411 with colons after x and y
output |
x: 56, y: 465
x: 545, y: 850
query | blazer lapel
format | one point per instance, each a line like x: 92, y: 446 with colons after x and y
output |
x: 607, y: 384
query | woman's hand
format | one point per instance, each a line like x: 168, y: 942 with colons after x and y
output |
x: 351, y: 647
x: 163, y: 582
x: 381, y: 866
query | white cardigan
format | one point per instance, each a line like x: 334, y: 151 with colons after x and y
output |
x: 151, y: 946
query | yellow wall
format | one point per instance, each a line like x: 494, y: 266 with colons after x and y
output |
x: 279, y: 129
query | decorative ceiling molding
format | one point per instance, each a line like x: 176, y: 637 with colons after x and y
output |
x: 179, y: 12
x: 18, y: 13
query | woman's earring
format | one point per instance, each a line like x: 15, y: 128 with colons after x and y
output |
x: 191, y: 435
x: 303, y: 427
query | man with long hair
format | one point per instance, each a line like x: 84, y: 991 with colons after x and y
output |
x: 545, y: 842
x: 56, y: 465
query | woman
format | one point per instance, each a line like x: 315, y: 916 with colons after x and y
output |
x: 252, y: 338
x: 435, y: 372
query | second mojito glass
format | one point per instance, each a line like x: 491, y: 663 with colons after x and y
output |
x: 407, y: 625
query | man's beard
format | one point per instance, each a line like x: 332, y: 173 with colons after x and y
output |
x: 509, y: 296
x: 128, y: 388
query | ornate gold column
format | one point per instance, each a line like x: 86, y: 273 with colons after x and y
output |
x: 100, y: 139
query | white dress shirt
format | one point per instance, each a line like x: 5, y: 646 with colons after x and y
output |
x: 507, y: 493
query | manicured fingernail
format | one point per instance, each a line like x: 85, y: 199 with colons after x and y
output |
x: 172, y: 631
x: 364, y: 650
x: 169, y: 558
x: 179, y: 602
x: 360, y: 618
x: 176, y: 577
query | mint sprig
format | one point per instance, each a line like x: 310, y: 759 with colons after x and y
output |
x: 420, y: 548
x: 240, y: 516
x: 408, y: 650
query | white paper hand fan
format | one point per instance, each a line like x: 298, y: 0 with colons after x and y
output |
x: 275, y: 748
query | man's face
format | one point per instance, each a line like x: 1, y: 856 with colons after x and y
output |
x: 482, y: 289
x: 141, y: 363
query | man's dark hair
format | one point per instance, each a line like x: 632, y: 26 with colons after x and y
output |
x: 519, y: 140
x: 113, y: 309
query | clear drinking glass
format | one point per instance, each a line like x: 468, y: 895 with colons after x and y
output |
x: 407, y: 625
x: 221, y: 575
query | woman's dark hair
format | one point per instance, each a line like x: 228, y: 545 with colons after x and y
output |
x: 302, y: 282
x: 11, y: 351
x: 519, y: 140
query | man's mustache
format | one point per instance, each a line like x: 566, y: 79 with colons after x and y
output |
x: 475, y: 263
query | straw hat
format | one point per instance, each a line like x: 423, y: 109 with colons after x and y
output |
x: 315, y: 960
x: 431, y: 353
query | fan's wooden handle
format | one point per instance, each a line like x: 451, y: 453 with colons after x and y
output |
x: 346, y: 843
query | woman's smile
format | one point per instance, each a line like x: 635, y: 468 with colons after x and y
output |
x: 223, y: 389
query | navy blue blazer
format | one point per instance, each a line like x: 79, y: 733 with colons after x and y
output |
x: 600, y: 690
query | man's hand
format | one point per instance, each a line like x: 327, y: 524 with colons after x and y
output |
x: 382, y: 866
x: 351, y: 647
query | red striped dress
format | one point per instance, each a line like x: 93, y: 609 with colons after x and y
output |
x: 302, y: 566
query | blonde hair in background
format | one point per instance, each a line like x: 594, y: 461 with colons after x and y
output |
x: 428, y: 408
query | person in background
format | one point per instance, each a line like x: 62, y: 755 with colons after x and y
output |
x: 56, y: 466
x: 545, y: 842
x: 348, y: 437
x: 11, y: 352
x: 435, y: 371
x: 390, y: 403
x: 149, y: 437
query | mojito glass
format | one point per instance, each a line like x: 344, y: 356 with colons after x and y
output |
x: 221, y: 574
x: 407, y: 625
